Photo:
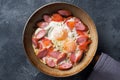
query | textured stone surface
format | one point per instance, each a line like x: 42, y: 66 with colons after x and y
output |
x: 14, y: 64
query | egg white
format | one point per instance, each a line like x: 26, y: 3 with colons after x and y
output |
x: 55, y: 27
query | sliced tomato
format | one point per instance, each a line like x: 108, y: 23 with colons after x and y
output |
x: 66, y: 19
x: 46, y: 42
x: 84, y: 45
x: 57, y: 17
x: 80, y: 32
x: 71, y: 24
x: 50, y: 49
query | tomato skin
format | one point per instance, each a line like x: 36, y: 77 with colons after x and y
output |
x: 57, y: 17
x: 46, y: 42
x: 84, y: 46
x: 50, y: 49
x: 80, y: 32
x: 71, y: 24
x: 66, y: 19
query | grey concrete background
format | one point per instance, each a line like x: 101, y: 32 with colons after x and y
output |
x: 14, y: 64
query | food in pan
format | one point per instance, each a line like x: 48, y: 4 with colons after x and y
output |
x: 61, y: 40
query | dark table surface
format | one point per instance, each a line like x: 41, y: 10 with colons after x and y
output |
x: 14, y: 64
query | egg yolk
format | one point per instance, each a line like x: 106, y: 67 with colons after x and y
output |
x: 69, y: 45
x: 61, y: 34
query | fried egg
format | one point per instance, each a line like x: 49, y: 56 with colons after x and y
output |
x: 59, y: 33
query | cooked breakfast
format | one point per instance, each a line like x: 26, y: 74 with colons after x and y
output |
x: 61, y: 40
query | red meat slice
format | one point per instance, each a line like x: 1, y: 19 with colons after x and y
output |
x: 54, y: 54
x: 47, y: 18
x: 76, y: 57
x: 80, y: 26
x: 72, y: 57
x: 61, y: 57
x: 77, y: 20
x: 40, y: 45
x: 82, y: 39
x: 64, y: 12
x: 50, y: 62
x: 42, y: 53
x: 79, y: 56
x: 65, y: 66
x: 42, y: 24
x: 40, y: 34
x: 35, y: 42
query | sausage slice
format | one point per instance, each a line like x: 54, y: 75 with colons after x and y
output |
x: 61, y: 57
x: 54, y: 54
x: 42, y: 24
x: 74, y: 58
x: 65, y: 13
x: 35, y: 42
x: 50, y: 63
x: 80, y: 26
x: 65, y: 66
x: 40, y: 34
x: 42, y: 53
x: 82, y: 39
x: 46, y: 18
